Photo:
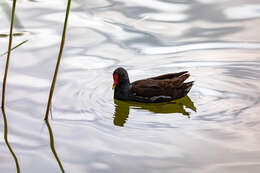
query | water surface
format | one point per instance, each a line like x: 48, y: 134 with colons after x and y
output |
x: 214, y: 129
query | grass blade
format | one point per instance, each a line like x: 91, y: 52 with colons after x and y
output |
x: 15, y: 47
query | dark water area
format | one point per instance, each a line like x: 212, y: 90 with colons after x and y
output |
x: 216, y: 128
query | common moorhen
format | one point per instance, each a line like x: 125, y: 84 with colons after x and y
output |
x: 163, y: 88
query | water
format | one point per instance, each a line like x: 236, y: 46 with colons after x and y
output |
x: 215, y: 129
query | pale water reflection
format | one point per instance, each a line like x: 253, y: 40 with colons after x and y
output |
x: 217, y: 41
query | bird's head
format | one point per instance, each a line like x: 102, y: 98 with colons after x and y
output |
x: 120, y: 76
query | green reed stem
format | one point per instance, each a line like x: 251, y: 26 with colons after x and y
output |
x: 53, y: 146
x: 58, y: 61
x: 8, y: 54
x: 7, y: 143
x: 4, y: 88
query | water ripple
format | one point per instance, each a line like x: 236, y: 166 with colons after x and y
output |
x: 217, y: 41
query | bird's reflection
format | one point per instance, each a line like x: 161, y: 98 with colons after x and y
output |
x: 122, y: 108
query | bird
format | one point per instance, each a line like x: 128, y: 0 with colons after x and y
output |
x: 163, y: 88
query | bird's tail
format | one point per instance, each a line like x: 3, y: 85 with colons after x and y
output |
x: 187, y: 86
x: 179, y: 81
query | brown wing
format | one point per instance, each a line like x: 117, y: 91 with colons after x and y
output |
x: 164, y: 85
x: 169, y: 75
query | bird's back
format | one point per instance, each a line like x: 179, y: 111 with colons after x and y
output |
x: 171, y: 85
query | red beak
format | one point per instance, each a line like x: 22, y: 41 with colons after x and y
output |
x: 115, y: 76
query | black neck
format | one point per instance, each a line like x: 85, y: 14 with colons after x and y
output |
x: 121, y: 91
